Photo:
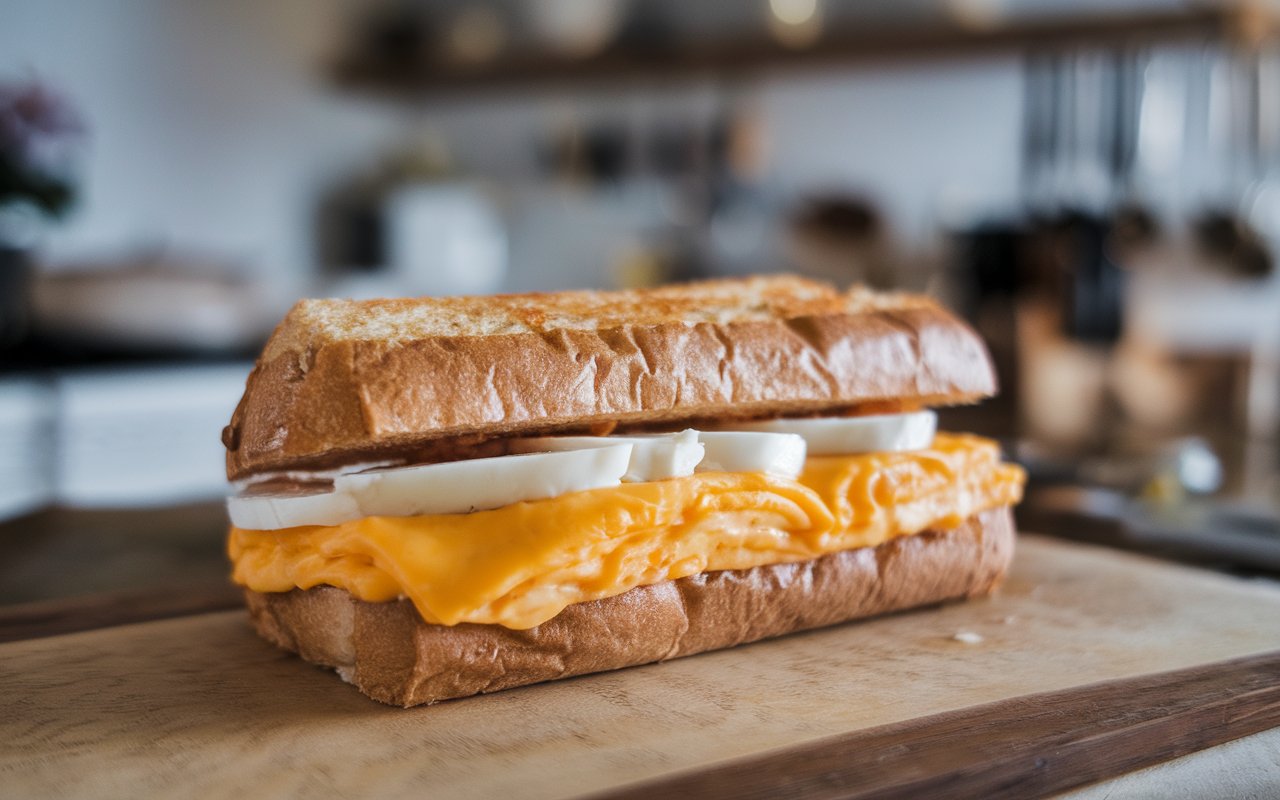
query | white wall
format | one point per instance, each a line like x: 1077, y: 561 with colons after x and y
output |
x: 213, y: 130
x: 927, y: 141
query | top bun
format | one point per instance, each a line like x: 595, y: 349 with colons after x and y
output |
x: 343, y: 381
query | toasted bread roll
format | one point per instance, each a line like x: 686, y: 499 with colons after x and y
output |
x: 350, y: 381
x: 407, y: 382
x: 387, y: 651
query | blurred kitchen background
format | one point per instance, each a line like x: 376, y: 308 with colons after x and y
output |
x: 1096, y: 185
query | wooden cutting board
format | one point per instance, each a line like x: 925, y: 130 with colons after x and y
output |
x: 1064, y: 677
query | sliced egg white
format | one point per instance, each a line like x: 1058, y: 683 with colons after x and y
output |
x: 653, y: 458
x: 752, y: 451
x: 483, y: 483
x: 658, y: 456
x: 266, y: 512
x: 455, y: 487
x: 828, y: 436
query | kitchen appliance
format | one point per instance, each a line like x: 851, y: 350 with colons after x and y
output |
x: 444, y: 239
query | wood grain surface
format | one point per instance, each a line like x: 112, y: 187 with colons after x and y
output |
x: 200, y: 707
x: 104, y: 609
x: 1030, y: 746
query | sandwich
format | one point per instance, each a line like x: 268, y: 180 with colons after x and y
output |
x: 439, y: 497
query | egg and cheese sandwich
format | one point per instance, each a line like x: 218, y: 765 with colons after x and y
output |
x: 443, y: 496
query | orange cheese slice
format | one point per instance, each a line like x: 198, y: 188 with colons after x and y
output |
x: 522, y: 564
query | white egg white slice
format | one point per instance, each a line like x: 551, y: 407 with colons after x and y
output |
x: 454, y: 487
x: 658, y: 456
x: 828, y: 436
x: 267, y: 512
x: 653, y: 458
x: 482, y: 483
x: 779, y: 454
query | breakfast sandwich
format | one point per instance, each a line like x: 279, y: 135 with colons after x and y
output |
x: 438, y: 497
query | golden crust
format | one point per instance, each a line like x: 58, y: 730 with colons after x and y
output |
x: 344, y: 381
x: 391, y: 655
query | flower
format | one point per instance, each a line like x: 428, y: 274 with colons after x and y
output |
x: 40, y: 132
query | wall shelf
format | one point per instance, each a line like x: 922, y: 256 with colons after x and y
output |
x: 1243, y: 24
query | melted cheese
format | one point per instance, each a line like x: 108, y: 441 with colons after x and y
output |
x: 520, y: 565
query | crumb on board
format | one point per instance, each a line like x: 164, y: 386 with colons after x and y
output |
x: 968, y: 637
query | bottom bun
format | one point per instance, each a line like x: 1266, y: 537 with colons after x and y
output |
x: 391, y: 655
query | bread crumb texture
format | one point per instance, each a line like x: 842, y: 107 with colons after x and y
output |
x: 313, y: 323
